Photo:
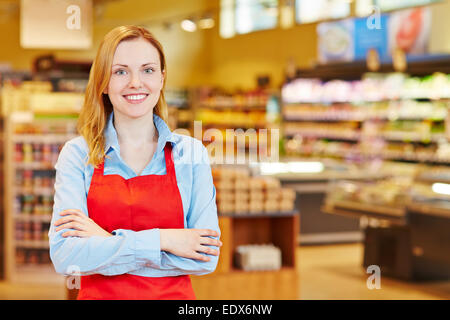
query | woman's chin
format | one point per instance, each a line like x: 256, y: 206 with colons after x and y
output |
x: 134, y: 111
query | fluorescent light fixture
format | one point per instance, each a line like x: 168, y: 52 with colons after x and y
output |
x: 273, y: 167
x: 305, y: 167
x: 441, y: 188
x: 206, y: 23
x: 188, y: 25
x: 290, y: 167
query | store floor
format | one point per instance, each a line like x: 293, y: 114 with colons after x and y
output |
x: 326, y: 272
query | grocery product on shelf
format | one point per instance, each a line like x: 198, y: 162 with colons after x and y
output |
x: 258, y: 257
x: 240, y: 193
x: 382, y: 116
x: 372, y: 87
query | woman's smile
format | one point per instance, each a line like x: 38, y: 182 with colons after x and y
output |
x: 135, y: 98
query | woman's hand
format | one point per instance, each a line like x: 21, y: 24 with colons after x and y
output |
x: 188, y: 243
x: 82, y: 225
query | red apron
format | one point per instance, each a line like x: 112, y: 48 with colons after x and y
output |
x: 139, y: 203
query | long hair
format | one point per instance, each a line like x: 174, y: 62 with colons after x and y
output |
x: 97, y: 107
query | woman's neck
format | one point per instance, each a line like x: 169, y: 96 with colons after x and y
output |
x: 136, y: 132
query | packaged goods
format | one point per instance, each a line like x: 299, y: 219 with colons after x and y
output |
x: 258, y: 257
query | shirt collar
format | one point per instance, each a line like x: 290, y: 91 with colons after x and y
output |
x: 165, y: 135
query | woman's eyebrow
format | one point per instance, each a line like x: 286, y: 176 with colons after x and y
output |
x: 145, y: 64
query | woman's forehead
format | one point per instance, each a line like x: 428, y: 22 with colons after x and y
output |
x: 136, y: 52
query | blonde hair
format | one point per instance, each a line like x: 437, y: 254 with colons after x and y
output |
x: 97, y: 107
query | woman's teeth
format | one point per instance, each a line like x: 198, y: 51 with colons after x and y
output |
x: 136, y: 97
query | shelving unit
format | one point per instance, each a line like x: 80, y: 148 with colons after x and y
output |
x: 30, y: 160
x: 382, y: 116
x: 179, y: 102
x: 238, y: 229
x: 33, y: 139
x: 244, y: 112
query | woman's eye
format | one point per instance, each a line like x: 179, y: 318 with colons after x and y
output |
x: 120, y: 72
x: 149, y: 70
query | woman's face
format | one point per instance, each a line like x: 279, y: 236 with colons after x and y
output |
x: 136, y: 78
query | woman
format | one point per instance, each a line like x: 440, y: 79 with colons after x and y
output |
x: 134, y: 207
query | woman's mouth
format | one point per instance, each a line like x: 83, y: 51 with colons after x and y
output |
x: 135, y: 98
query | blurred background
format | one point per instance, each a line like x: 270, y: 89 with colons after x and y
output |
x: 349, y: 194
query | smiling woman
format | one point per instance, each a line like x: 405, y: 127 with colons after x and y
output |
x: 134, y: 208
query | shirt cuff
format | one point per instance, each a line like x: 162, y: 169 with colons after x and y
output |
x: 147, y: 246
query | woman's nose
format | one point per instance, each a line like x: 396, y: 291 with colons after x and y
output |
x: 135, y: 80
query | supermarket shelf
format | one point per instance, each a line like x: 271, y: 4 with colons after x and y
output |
x: 32, y: 244
x: 369, y: 207
x: 365, y: 102
x: 409, y: 137
x: 233, y: 107
x: 34, y: 166
x: 355, y: 209
x: 35, y: 191
x: 355, y: 118
x: 325, y: 176
x: 46, y: 138
x: 429, y: 209
x: 314, y: 134
x: 234, y: 125
x: 33, y: 217
x: 396, y: 157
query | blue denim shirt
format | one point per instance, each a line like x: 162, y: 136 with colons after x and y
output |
x: 137, y: 253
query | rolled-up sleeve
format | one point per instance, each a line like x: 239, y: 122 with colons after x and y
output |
x: 125, y: 252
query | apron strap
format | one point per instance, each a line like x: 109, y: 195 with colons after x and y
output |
x: 170, y: 167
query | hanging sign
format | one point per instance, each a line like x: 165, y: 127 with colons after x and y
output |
x: 56, y: 24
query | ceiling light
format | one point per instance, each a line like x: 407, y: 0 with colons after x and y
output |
x: 206, y: 23
x: 188, y: 25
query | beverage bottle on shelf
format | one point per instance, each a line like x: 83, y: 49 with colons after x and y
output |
x: 27, y: 153
x: 37, y: 183
x: 27, y: 231
x: 19, y: 231
x: 27, y: 205
x: 37, y: 152
x: 37, y: 231
x: 46, y: 153
x: 27, y: 180
x: 54, y: 153
x: 18, y: 152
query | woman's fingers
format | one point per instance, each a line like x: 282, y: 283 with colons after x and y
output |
x: 198, y: 256
x: 207, y: 232
x: 68, y: 218
x: 75, y: 212
x: 71, y: 225
x: 75, y: 233
x: 210, y: 241
x: 208, y: 250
